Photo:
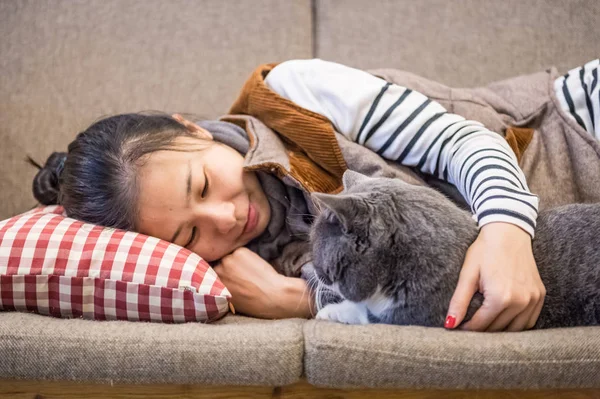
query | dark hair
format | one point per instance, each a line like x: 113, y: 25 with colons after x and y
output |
x: 96, y: 181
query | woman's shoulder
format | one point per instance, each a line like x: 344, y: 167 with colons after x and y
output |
x: 296, y: 70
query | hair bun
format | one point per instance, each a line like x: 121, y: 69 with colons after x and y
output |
x: 46, y: 184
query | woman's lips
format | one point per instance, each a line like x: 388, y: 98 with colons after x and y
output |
x: 252, y: 220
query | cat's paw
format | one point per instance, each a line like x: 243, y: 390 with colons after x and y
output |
x: 344, y: 312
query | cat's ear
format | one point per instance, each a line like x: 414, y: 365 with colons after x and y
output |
x: 341, y: 205
x: 351, y: 178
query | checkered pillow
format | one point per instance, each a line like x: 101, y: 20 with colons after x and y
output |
x: 58, y: 266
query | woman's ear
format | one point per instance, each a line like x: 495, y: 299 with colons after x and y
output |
x: 192, y: 127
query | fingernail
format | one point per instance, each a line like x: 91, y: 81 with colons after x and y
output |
x: 450, y: 320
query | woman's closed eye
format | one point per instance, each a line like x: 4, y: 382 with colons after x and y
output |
x: 204, y: 191
x: 205, y: 186
x: 191, y: 237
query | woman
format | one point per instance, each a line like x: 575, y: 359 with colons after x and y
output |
x: 196, y: 184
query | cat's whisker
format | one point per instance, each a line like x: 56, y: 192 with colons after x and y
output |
x: 305, y: 291
x: 320, y: 291
x: 313, y: 281
x: 302, y: 214
x: 313, y: 287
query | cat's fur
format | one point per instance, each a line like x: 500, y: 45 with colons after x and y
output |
x: 394, y: 251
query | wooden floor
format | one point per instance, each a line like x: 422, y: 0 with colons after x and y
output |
x: 49, y: 389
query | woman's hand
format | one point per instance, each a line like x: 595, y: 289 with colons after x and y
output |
x: 501, y: 266
x: 258, y: 290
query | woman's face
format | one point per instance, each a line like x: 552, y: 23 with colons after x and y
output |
x: 201, y: 200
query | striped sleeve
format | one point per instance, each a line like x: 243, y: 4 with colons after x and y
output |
x: 578, y: 92
x: 403, y: 125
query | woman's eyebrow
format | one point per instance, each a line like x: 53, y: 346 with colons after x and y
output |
x: 188, y: 195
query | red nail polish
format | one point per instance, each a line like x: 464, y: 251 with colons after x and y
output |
x: 450, y: 320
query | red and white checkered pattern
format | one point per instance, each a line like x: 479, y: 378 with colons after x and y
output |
x: 58, y: 266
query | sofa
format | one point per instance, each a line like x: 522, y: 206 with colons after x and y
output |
x: 66, y: 63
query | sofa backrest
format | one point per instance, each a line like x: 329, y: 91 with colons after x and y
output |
x: 459, y: 42
x: 65, y: 63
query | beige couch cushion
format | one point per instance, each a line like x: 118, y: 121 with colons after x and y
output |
x: 459, y: 42
x: 234, y: 350
x: 64, y: 64
x: 419, y: 357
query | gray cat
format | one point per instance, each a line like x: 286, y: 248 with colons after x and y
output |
x: 394, y: 252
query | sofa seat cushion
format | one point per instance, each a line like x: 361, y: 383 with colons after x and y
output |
x: 339, y: 355
x: 235, y: 350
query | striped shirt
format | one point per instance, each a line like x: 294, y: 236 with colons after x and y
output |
x: 578, y: 92
x: 405, y: 126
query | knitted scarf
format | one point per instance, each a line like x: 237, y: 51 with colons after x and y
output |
x: 288, y: 206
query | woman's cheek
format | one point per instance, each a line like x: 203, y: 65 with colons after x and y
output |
x: 215, y: 252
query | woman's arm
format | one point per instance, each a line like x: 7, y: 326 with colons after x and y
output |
x: 258, y: 290
x: 296, y: 299
x: 405, y: 126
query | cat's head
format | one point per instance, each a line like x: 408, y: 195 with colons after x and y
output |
x: 374, y: 224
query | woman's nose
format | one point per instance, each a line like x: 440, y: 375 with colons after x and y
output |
x: 221, y: 216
